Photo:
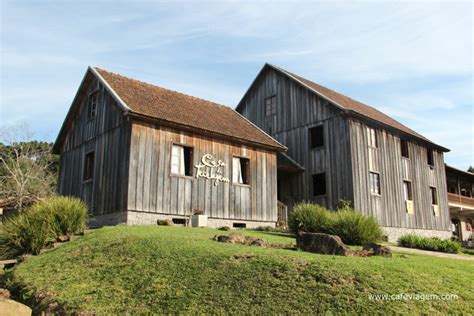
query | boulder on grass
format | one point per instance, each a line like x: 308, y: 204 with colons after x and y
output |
x: 379, y: 250
x: 165, y: 222
x: 233, y: 238
x: 322, y: 243
x: 9, y: 307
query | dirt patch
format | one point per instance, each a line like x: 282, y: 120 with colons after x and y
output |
x: 238, y: 238
x: 244, y: 256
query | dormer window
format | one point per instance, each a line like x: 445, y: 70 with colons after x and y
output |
x: 92, y: 105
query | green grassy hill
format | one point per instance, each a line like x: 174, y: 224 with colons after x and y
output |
x: 173, y: 269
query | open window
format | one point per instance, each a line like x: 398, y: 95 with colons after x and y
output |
x: 88, y: 166
x: 407, y: 193
x: 181, y: 160
x: 271, y: 106
x: 240, y: 170
x: 374, y: 183
x: 92, y: 105
x: 404, y: 148
x: 316, y: 136
x: 434, y: 196
x: 372, y: 137
x: 319, y: 184
x: 430, y: 157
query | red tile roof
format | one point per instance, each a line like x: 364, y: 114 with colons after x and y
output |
x: 178, y: 108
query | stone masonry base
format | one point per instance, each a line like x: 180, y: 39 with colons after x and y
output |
x: 393, y: 233
x: 144, y: 218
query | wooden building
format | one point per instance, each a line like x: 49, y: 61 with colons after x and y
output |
x: 137, y: 153
x: 461, y: 204
x: 349, y: 150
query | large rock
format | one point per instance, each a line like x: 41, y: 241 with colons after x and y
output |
x: 322, y: 243
x: 379, y: 250
x: 11, y: 308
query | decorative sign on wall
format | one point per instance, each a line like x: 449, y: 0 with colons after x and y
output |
x: 211, y: 169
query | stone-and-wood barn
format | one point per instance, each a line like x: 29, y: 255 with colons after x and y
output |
x: 136, y: 153
x: 349, y: 150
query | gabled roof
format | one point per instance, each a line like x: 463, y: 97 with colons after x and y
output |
x: 348, y: 105
x: 147, y: 101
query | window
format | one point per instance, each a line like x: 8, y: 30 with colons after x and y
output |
x: 434, y: 196
x: 88, y: 166
x: 374, y: 183
x: 92, y: 105
x: 407, y: 191
x: 181, y: 160
x: 372, y: 137
x: 319, y: 184
x: 404, y: 148
x: 271, y: 106
x: 316, y: 136
x: 239, y: 225
x: 430, y: 156
x: 241, y: 170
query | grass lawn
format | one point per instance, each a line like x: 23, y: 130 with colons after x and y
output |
x: 158, y: 269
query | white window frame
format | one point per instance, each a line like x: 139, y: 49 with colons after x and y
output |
x: 237, y: 177
x: 372, y: 137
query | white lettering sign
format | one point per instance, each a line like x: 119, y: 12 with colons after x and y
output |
x: 211, y: 169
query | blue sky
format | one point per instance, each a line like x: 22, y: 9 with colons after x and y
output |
x: 412, y: 60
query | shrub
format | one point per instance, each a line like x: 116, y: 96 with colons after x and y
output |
x: 68, y: 215
x: 309, y: 217
x: 429, y: 243
x: 34, y: 229
x: 355, y: 228
x: 25, y: 233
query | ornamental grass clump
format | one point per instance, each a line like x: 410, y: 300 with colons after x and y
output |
x: 353, y: 227
x: 68, y: 215
x: 40, y: 225
x: 309, y: 217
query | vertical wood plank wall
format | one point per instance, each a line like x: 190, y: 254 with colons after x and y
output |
x: 389, y: 208
x: 297, y: 111
x: 152, y: 188
x: 108, y: 135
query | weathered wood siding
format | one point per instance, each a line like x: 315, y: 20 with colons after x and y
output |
x: 298, y: 110
x: 152, y: 188
x: 108, y: 135
x: 389, y: 208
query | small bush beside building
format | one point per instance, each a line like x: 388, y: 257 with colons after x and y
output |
x: 432, y: 243
x: 42, y: 224
x: 354, y: 228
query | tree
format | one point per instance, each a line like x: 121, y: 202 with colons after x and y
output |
x: 471, y: 169
x: 28, y: 169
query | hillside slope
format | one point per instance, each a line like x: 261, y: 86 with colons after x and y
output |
x: 171, y: 269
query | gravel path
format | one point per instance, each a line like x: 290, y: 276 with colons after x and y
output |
x: 431, y: 253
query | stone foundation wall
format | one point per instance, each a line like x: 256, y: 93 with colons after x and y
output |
x: 393, y: 233
x: 110, y: 219
x: 144, y: 218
